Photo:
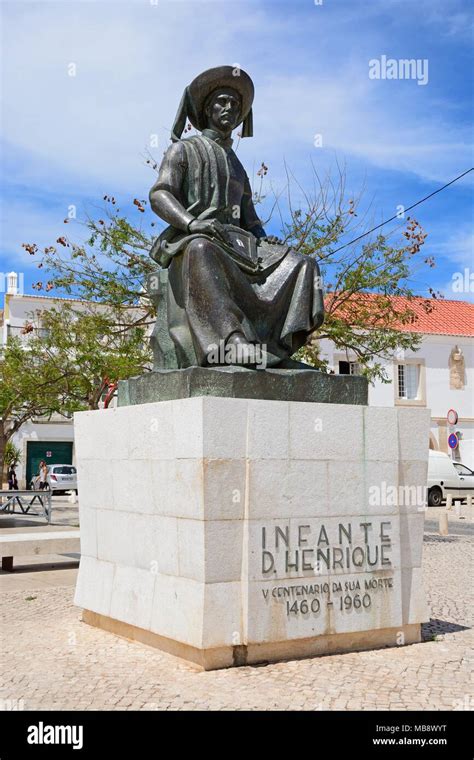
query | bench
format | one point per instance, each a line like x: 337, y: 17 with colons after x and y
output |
x: 32, y: 543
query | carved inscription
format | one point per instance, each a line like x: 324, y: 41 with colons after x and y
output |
x: 363, y: 548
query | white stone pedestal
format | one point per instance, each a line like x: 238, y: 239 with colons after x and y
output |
x: 231, y: 531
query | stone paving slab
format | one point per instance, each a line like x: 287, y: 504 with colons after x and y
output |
x: 51, y: 660
x: 49, y: 572
x: 63, y: 514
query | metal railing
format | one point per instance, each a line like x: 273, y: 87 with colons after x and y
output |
x: 24, y: 501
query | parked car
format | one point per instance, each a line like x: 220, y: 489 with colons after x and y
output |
x: 61, y: 477
x: 446, y: 477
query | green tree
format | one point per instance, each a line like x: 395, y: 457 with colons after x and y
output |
x: 360, y: 278
x: 63, y: 361
x: 29, y: 388
x: 92, y: 343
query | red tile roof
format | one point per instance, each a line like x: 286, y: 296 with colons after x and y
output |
x: 443, y: 317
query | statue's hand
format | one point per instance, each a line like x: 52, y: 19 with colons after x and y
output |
x: 273, y: 240
x: 210, y: 227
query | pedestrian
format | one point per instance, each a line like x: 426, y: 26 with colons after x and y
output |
x: 12, y: 479
x: 43, y: 475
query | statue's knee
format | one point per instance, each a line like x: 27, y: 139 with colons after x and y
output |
x: 197, y: 247
x: 305, y: 263
x: 308, y: 267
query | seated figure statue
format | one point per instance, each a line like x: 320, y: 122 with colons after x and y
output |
x: 230, y: 286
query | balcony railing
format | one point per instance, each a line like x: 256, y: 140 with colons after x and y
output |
x: 19, y: 332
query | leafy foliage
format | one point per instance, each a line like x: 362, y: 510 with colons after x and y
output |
x: 12, y: 455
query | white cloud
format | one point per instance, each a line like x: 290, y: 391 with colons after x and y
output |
x: 458, y: 248
x: 133, y: 60
x: 363, y: 118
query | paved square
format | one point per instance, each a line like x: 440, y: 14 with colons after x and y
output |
x: 51, y: 660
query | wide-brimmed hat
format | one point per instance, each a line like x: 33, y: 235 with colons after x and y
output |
x: 196, y: 94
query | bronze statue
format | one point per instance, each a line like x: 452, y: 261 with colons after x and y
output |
x: 230, y: 286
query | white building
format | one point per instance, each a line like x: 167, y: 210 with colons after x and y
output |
x: 439, y: 375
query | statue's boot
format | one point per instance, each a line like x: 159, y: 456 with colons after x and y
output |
x: 242, y: 352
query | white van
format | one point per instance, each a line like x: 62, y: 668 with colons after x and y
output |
x: 447, y: 477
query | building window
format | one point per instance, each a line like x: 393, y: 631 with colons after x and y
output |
x: 408, y: 381
x: 349, y: 368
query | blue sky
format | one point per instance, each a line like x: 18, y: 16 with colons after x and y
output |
x: 69, y: 140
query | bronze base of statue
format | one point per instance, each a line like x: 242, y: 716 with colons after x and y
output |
x: 241, y: 382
